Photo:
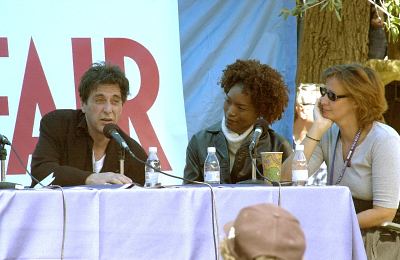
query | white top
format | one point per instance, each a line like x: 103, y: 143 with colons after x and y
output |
x: 234, y: 141
x: 97, y: 165
x: 374, y: 173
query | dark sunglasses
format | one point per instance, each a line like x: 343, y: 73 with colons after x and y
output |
x: 331, y: 95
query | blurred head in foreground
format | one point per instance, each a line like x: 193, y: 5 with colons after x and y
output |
x: 263, y: 231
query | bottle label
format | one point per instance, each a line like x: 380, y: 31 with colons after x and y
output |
x: 151, y: 179
x: 212, y: 177
x: 299, y: 175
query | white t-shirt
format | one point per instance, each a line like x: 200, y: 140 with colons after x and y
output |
x: 374, y: 173
x: 97, y: 165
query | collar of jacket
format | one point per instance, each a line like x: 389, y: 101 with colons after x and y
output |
x: 216, y: 128
x: 81, y: 128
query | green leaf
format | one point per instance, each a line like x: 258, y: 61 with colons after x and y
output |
x: 394, y: 32
x: 296, y: 12
x: 391, y: 8
x: 331, y: 6
x: 285, y: 13
x: 338, y: 15
x: 312, y: 2
x: 338, y: 4
x: 324, y: 5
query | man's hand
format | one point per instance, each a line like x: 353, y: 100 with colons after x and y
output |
x: 107, y: 177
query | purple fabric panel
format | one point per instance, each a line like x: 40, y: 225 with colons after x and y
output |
x: 231, y: 200
x: 357, y: 243
x: 156, y: 224
x: 31, y: 224
x: 171, y: 223
x: 328, y: 219
x: 168, y: 223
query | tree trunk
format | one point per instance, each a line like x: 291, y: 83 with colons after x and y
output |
x: 325, y: 41
x: 394, y: 50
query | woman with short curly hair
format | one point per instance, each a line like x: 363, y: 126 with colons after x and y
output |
x: 253, y: 91
x: 264, y: 85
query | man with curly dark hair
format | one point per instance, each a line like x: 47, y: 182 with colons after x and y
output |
x: 71, y: 143
x: 252, y: 90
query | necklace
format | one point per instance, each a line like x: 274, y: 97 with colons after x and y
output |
x: 348, y: 158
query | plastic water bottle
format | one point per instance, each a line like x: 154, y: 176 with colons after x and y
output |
x: 151, y: 176
x: 299, y: 167
x: 211, y: 167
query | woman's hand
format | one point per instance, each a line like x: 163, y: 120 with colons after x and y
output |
x: 320, y: 121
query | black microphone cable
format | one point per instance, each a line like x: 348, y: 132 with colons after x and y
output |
x: 64, y: 228
x: 49, y: 187
x: 23, y: 166
x: 112, y: 131
x: 214, y: 219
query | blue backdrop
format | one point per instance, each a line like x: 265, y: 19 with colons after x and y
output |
x: 215, y: 34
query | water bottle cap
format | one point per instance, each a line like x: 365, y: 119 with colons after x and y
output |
x: 299, y: 147
x: 152, y: 149
x: 211, y: 149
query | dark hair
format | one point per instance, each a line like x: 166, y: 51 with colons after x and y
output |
x: 102, y: 73
x: 268, y: 91
x: 365, y: 87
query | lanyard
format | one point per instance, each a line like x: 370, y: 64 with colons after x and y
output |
x: 348, y: 158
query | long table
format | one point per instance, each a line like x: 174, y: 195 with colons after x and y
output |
x: 167, y: 223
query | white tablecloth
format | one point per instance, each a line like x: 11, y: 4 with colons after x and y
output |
x: 169, y: 223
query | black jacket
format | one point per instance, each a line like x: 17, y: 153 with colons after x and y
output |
x: 65, y: 148
x: 196, y: 153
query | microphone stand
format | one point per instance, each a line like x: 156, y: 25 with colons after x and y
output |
x: 253, y: 168
x: 3, y: 156
x: 121, y: 162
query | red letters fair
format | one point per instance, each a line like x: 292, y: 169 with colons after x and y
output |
x: 36, y: 92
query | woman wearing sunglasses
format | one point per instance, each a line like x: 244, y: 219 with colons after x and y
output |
x: 349, y: 134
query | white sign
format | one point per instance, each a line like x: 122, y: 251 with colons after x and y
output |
x: 45, y: 46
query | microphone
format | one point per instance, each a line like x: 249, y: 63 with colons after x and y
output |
x: 11, y: 186
x: 259, y: 126
x: 4, y: 140
x: 111, y: 131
